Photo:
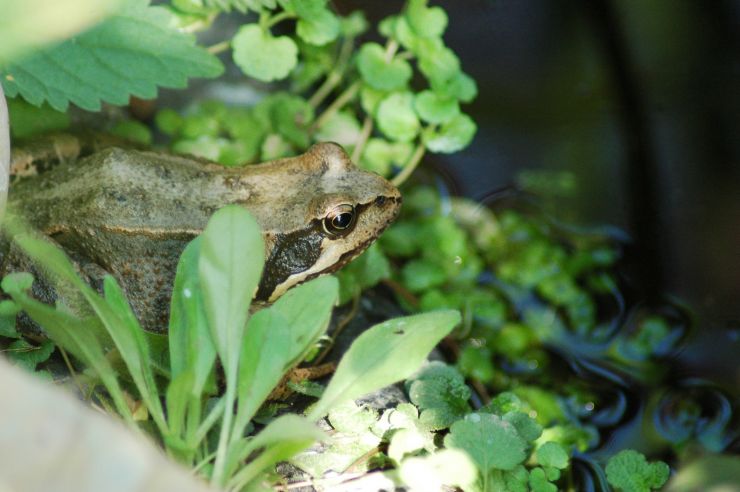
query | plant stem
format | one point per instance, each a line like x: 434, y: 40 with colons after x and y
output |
x: 331, y: 81
x: 345, y: 97
x: 277, y: 18
x: 219, y: 47
x: 219, y: 466
x: 367, y: 129
x: 335, y: 76
x: 414, y: 161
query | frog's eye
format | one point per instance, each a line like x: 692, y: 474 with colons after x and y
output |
x: 339, y: 220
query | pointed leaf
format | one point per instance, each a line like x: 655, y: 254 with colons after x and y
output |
x: 231, y: 258
x: 191, y: 346
x: 384, y: 354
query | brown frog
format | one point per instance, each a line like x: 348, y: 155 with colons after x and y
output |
x: 130, y: 213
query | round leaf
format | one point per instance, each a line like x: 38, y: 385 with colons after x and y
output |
x: 428, y: 22
x: 435, y: 108
x: 263, y: 56
x: 320, y: 29
x: 454, y: 135
x: 379, y: 73
x: 396, y: 117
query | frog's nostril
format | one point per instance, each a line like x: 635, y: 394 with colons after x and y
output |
x: 380, y: 201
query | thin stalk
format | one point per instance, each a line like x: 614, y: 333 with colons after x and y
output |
x: 331, y: 81
x: 414, y: 161
x: 219, y: 467
x: 217, y: 48
x: 277, y: 18
x: 208, y: 423
x: 367, y: 129
x: 345, y: 97
x: 335, y: 76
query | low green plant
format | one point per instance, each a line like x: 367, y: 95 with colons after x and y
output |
x: 209, y: 322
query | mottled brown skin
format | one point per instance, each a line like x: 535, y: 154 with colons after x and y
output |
x: 131, y: 213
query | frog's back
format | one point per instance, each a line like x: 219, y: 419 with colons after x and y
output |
x: 128, y: 191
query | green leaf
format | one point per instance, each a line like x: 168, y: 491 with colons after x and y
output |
x: 121, y: 57
x: 381, y: 155
x: 241, y: 5
x: 440, y: 393
x: 354, y: 24
x: 489, y: 440
x: 380, y: 73
x: 264, y: 360
x: 278, y: 337
x: 133, y: 131
x: 29, y: 356
x: 291, y: 116
x: 8, y: 312
x: 190, y: 343
x: 437, y: 62
x: 263, y: 56
x: 364, y: 272
x: 397, y: 118
x: 76, y: 336
x: 280, y: 440
x: 435, y: 108
x: 319, y: 29
x: 384, y: 354
x: 526, y: 426
x: 461, y: 86
x: 539, y: 483
x: 27, y: 120
x: 231, y: 258
x: 552, y: 454
x: 351, y: 441
x: 342, y: 127
x: 421, y: 275
x: 629, y: 471
x: 439, y: 471
x: 428, y: 22
x: 454, y: 135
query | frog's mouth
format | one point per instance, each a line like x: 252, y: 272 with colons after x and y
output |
x: 295, y: 254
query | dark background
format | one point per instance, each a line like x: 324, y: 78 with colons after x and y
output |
x: 638, y: 103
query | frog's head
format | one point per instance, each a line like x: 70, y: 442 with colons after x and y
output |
x: 332, y: 211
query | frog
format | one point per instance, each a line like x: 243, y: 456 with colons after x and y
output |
x: 130, y: 213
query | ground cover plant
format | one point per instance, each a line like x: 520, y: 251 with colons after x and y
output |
x: 502, y: 415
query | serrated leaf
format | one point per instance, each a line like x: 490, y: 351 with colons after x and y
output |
x: 489, y: 440
x: 629, y: 471
x: 380, y: 73
x: 263, y: 56
x: 131, y: 53
x: 453, y: 136
x: 397, y: 118
x: 440, y: 393
x: 435, y: 108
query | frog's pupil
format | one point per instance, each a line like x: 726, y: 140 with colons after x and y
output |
x: 342, y: 221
